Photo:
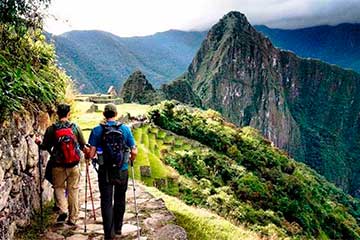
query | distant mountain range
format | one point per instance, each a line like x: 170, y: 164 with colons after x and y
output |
x: 333, y: 44
x: 96, y: 60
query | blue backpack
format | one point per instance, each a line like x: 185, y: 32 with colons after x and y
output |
x: 113, y: 145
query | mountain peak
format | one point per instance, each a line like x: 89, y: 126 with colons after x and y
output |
x: 138, y: 89
x: 233, y: 21
x: 235, y: 15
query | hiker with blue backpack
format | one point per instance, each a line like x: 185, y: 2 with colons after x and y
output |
x: 114, y: 145
x: 64, y: 141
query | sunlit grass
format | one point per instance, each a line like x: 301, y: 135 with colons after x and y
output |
x: 133, y: 109
x: 202, y: 224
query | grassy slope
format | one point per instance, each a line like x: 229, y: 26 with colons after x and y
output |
x: 248, y: 180
x: 200, y: 223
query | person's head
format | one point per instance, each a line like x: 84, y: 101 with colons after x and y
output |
x: 110, y: 111
x: 63, y: 110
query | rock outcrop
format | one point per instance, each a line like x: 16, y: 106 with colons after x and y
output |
x: 306, y: 107
x: 19, y: 172
x: 137, y: 89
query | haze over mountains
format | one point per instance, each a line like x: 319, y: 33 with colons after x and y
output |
x: 333, y: 44
x: 164, y: 56
x: 96, y: 60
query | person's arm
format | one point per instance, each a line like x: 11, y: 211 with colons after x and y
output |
x: 93, y: 142
x: 80, y: 137
x: 130, y: 141
x: 47, y: 142
x: 81, y: 141
x: 92, y: 152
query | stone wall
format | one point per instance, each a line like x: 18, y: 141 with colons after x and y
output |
x: 19, y: 172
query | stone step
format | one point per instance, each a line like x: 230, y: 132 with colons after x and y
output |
x: 78, y: 236
x: 129, y: 229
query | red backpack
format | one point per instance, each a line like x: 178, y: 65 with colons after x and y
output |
x: 67, y: 151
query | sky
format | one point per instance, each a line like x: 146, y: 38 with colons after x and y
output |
x: 127, y: 18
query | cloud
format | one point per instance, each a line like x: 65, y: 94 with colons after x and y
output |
x: 143, y: 17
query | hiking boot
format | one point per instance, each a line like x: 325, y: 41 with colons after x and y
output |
x: 61, y: 218
x: 71, y: 224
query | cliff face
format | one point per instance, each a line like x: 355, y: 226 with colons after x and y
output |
x: 306, y: 107
x: 19, y: 173
x: 325, y: 102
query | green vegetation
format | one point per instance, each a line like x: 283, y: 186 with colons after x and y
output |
x: 244, y: 179
x: 149, y: 148
x: 23, y: 14
x: 161, y: 57
x: 201, y: 223
x: 29, y: 76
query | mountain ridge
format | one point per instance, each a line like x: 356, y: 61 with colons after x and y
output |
x: 97, y: 59
x: 332, y: 44
x: 178, y: 47
x: 291, y: 100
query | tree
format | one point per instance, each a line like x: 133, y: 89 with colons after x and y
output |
x: 23, y: 13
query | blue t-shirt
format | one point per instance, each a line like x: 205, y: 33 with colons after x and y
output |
x: 96, y: 133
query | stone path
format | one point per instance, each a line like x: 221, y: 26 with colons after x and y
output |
x: 154, y: 218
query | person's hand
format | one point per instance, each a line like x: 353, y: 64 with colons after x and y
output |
x: 86, y: 151
x: 38, y: 140
x: 133, y: 154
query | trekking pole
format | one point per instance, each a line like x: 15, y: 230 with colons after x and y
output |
x: 91, y: 195
x: 136, y: 210
x: 40, y: 188
x: 85, y: 196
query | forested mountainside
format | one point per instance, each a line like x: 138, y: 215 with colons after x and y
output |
x: 97, y: 60
x: 306, y: 107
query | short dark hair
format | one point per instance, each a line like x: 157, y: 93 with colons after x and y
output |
x: 109, y: 114
x: 63, y: 110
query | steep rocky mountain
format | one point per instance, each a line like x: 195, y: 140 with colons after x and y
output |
x: 137, y: 89
x: 333, y: 44
x: 306, y: 107
x: 97, y: 60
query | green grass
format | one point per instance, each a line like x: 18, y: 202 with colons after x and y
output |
x: 178, y: 142
x: 90, y: 120
x: 161, y: 134
x: 169, y: 139
x: 133, y: 109
x: 149, y: 155
x: 202, y: 224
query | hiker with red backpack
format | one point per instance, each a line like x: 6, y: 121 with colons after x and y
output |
x: 114, y: 145
x: 64, y: 140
